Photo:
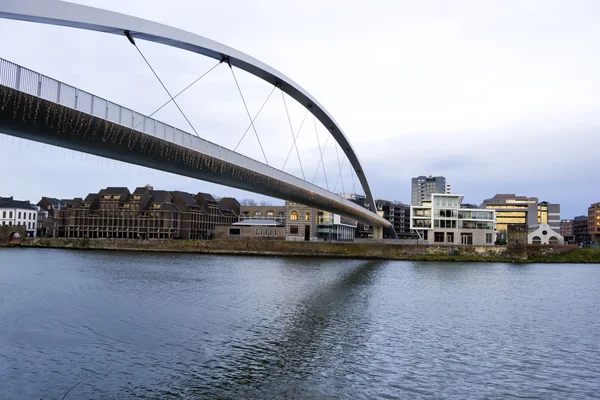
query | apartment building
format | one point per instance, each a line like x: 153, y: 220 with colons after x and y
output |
x: 146, y: 213
x: 442, y: 220
x: 398, y: 214
x: 424, y: 186
x: 581, y: 229
x: 566, y: 230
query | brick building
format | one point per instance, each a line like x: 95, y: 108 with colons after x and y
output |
x: 581, y: 229
x: 300, y: 222
x: 566, y: 230
x: 594, y: 222
x: 146, y: 213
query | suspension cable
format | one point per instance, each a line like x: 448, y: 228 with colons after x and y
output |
x: 128, y: 34
x: 297, y: 134
x: 340, y: 168
x: 181, y: 92
x: 254, y: 119
x: 321, y: 152
x: 248, y: 112
x: 292, y: 131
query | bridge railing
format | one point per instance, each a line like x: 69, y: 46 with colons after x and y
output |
x: 23, y: 79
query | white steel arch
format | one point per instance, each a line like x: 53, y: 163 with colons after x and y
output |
x: 55, y: 12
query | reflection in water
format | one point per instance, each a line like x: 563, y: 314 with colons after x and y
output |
x: 316, y: 330
x: 149, y: 326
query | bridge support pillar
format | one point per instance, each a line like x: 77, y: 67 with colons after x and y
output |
x: 377, y: 232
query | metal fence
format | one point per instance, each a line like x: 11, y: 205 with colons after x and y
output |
x: 20, y: 78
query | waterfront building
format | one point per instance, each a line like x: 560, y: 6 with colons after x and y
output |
x: 566, y: 230
x: 398, y: 214
x: 47, y: 218
x: 594, y: 222
x: 300, y: 222
x: 424, y: 186
x: 146, y: 213
x: 334, y: 227
x: 581, y: 229
x: 544, y: 234
x: 19, y: 213
x: 512, y: 209
x: 303, y: 223
x: 442, y: 220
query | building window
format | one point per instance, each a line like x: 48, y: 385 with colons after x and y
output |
x: 3, y: 214
x: 258, y: 214
x: 294, y: 228
x: 450, y: 237
x: 294, y: 216
x: 307, y: 216
x: 234, y: 231
x: 438, y: 237
x: 466, y: 238
x: 270, y: 214
x: 536, y: 240
x: 488, y: 238
x: 19, y: 215
x: 10, y: 214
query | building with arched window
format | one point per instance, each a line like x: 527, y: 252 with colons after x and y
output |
x: 543, y: 234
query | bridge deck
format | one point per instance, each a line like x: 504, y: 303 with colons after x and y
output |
x: 40, y: 108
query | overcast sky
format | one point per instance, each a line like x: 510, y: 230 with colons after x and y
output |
x: 497, y: 96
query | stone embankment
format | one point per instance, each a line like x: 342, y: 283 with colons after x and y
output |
x: 375, y: 250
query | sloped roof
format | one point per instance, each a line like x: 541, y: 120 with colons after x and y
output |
x: 187, y: 198
x: 9, y: 202
x: 114, y: 190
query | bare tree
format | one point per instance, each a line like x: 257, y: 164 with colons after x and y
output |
x: 248, y: 202
x: 266, y: 203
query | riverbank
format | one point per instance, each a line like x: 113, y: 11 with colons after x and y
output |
x: 537, y: 254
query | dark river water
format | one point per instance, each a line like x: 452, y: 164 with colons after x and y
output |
x: 158, y: 326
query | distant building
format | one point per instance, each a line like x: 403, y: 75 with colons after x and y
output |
x: 442, y: 220
x: 512, y: 209
x: 398, y: 214
x: 146, y: 213
x: 334, y: 227
x: 544, y: 234
x: 303, y: 223
x: 47, y: 217
x: 594, y: 222
x: 424, y: 186
x: 566, y: 230
x: 18, y: 213
x: 300, y: 222
x: 581, y: 229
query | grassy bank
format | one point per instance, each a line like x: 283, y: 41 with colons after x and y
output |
x: 335, y: 250
x: 590, y: 256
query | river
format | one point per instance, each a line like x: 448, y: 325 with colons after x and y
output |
x: 159, y: 326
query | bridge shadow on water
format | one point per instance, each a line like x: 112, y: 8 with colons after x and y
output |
x: 326, y: 329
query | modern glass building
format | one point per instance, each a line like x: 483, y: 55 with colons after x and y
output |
x: 442, y: 220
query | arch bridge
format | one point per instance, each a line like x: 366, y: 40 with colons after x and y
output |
x: 39, y: 108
